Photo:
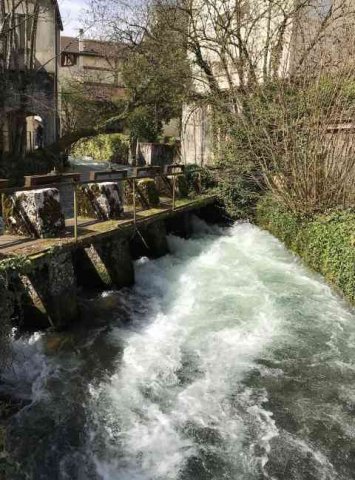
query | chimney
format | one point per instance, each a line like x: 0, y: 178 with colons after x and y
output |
x: 81, y: 40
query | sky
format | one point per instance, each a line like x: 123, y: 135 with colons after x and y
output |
x: 71, y: 11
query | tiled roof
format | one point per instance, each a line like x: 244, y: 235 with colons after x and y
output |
x: 95, y: 47
x: 69, y: 44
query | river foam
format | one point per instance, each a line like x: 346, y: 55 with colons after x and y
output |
x: 237, y: 363
x: 178, y: 383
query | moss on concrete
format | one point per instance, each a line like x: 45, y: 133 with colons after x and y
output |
x: 85, y: 205
x: 182, y: 186
x: 35, y: 213
x: 149, y: 190
x: 100, y: 200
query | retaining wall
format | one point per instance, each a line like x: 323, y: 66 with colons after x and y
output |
x: 48, y: 289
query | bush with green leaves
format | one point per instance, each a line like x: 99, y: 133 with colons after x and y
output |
x: 326, y: 242
x: 143, y: 124
x: 199, y: 178
x: 237, y: 147
x: 112, y: 147
x: 239, y: 191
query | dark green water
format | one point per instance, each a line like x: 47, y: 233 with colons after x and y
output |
x: 227, y: 360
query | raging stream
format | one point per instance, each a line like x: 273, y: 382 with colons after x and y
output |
x: 227, y: 360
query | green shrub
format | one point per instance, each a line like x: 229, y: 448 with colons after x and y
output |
x: 326, y: 242
x: 198, y: 178
x: 113, y: 147
x: 239, y: 191
x: 144, y: 125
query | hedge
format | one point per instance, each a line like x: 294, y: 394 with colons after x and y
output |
x: 112, y: 147
x: 326, y: 242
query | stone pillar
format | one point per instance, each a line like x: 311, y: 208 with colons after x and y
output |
x: 54, y: 281
x: 150, y: 241
x: 100, y: 200
x: 147, y: 195
x: 116, y: 256
x: 7, y: 305
x: 90, y: 271
x: 180, y: 225
x: 7, y: 309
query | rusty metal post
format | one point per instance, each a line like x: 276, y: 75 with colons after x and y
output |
x: 134, y: 202
x: 75, y: 215
x: 174, y: 188
x: 3, y: 210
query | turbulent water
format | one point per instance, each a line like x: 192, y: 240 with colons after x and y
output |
x: 227, y: 360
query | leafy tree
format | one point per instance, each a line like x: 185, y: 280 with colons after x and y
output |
x: 154, y: 69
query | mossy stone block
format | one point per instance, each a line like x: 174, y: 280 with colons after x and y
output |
x: 100, y: 200
x: 165, y: 188
x: 35, y: 213
x: 148, y: 189
x: 182, y: 186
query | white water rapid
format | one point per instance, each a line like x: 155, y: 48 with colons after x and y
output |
x: 236, y: 364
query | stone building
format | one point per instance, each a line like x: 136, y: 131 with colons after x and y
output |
x: 274, y: 41
x: 93, y: 63
x: 29, y: 63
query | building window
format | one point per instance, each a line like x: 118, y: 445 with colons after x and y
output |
x: 24, y: 25
x: 68, y: 59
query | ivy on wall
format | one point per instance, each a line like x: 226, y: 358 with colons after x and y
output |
x: 326, y: 242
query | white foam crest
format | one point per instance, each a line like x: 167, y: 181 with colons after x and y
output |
x: 25, y: 376
x: 207, y: 317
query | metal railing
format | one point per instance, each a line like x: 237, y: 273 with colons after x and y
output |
x: 119, y: 177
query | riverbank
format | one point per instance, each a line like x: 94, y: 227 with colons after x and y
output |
x: 325, y: 242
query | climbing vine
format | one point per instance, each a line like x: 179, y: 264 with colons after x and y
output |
x: 326, y: 242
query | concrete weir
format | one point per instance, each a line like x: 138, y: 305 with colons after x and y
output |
x: 42, y: 283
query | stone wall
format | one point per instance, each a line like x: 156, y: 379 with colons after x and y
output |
x: 156, y: 154
x: 7, y: 305
x: 147, y: 194
x: 196, y: 135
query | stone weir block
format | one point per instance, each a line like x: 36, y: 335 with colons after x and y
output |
x: 147, y: 195
x: 106, y: 263
x: 53, y: 281
x: 42, y: 292
x: 100, y: 200
x: 165, y: 186
x: 34, y: 213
